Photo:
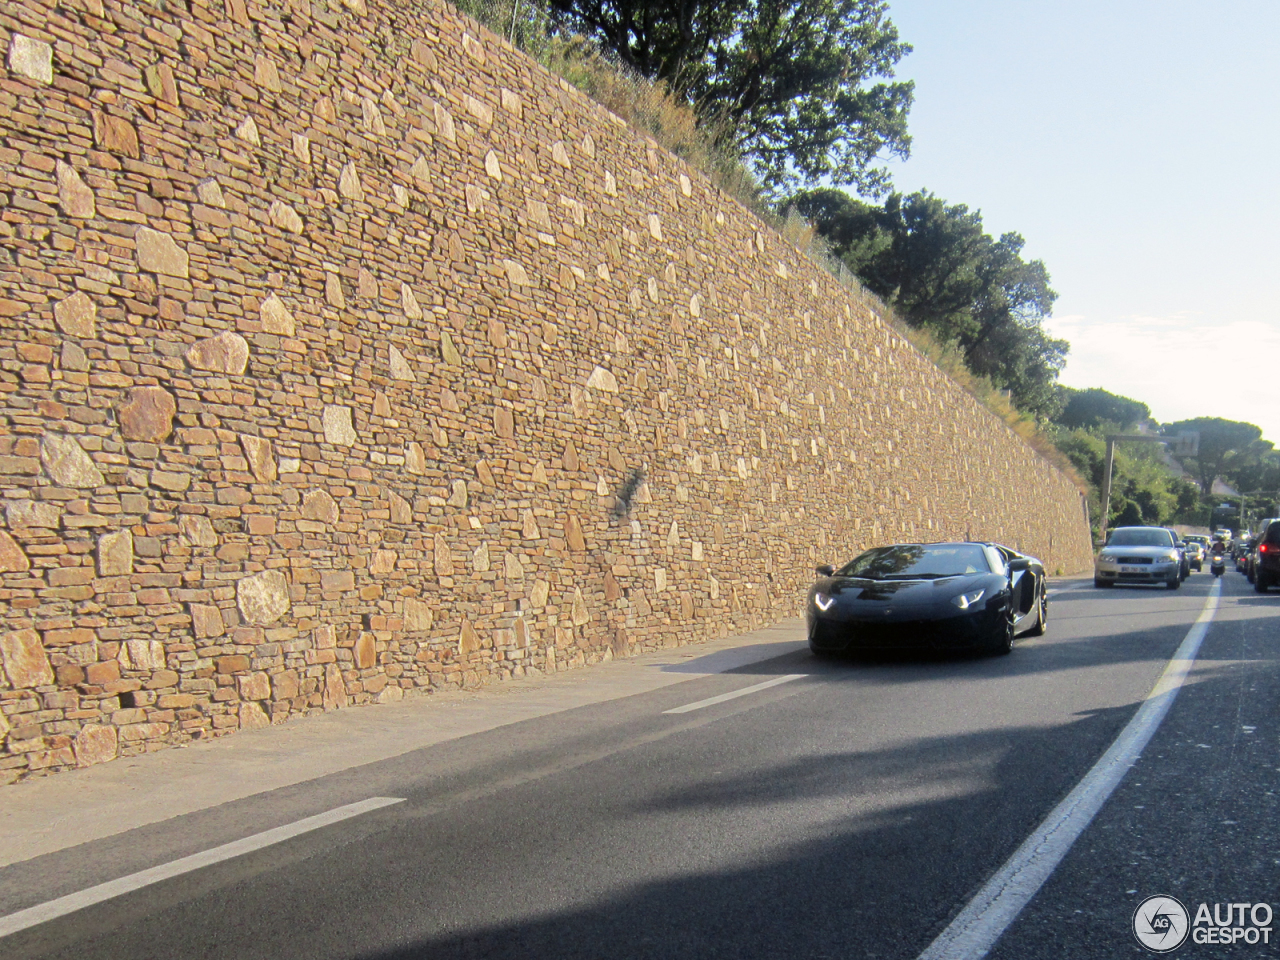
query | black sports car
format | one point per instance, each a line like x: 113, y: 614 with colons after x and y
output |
x: 928, y: 596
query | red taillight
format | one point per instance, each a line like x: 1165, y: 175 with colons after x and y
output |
x: 1264, y: 547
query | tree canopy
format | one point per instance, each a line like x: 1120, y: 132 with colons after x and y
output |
x: 1225, y: 446
x: 940, y: 270
x: 1095, y: 407
x: 803, y: 89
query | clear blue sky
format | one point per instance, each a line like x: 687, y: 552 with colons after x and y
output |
x: 1136, y: 147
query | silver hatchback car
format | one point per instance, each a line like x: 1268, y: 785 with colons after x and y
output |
x: 1139, y: 555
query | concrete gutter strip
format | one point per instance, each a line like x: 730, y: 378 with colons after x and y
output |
x: 46, y: 814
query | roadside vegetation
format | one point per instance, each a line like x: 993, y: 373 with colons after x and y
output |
x: 791, y: 107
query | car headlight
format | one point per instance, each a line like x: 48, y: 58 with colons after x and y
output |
x: 1107, y: 557
x: 967, y: 600
x: 822, y: 601
x: 1171, y: 555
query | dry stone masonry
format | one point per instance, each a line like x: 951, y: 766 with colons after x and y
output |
x: 346, y: 354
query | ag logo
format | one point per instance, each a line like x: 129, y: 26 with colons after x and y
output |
x: 1161, y: 924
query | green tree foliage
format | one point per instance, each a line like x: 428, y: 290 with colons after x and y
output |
x: 803, y: 89
x: 1226, y: 447
x: 940, y: 270
x: 1095, y: 407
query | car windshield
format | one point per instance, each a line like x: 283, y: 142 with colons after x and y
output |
x: 1140, y: 538
x: 918, y: 561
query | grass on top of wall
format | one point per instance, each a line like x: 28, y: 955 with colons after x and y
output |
x: 672, y: 123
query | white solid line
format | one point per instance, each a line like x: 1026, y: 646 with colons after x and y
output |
x: 135, y: 881
x: 979, y: 925
x: 737, y: 693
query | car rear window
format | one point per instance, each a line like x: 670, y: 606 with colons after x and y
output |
x: 1273, y: 532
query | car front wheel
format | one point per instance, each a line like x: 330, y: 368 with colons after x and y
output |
x: 1260, y: 583
x: 1174, y: 584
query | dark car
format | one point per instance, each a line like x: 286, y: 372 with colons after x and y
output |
x: 928, y: 596
x: 1266, y: 559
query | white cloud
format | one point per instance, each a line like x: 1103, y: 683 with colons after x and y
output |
x: 1181, y: 366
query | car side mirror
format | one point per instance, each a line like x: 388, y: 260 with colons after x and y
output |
x: 1018, y: 563
x: 825, y: 570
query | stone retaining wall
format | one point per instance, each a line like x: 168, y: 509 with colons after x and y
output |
x: 346, y: 354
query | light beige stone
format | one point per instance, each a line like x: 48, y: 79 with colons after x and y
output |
x: 226, y: 353
x: 421, y: 172
x: 266, y: 75
x: 512, y: 103
x: 170, y: 480
x: 448, y: 352
x: 358, y: 7
x: 334, y: 696
x: 443, y: 557
x: 516, y: 273
x: 400, y: 369
x: 276, y: 318
x: 32, y: 513
x: 210, y: 193
x: 443, y: 122
x: 512, y: 568
x: 115, y: 554
x: 252, y: 716
x: 197, y: 531
x: 472, y: 48
x: 94, y: 744
x: 660, y: 579
x: 254, y: 686
x: 320, y: 506
x: 248, y: 132
x: 602, y: 379
x: 539, y: 595
x: 573, y: 534
x: 12, y: 558
x: 401, y: 512
x: 77, y: 315
x: 66, y: 462
x: 31, y: 58
x: 560, y: 155
x: 365, y: 652
x: 25, y: 663
x: 468, y: 641
x: 415, y: 458
x: 372, y: 117
x: 686, y: 186
x: 655, y: 226
x: 147, y: 414
x: 285, y: 217
x: 459, y: 498
x: 159, y: 253
x: 263, y: 597
x: 530, y: 526
x: 349, y: 183
x: 161, y: 83
x: 338, y: 428
x: 480, y: 562
x: 333, y: 291
x: 262, y: 461
x: 382, y: 563
x: 74, y: 196
x: 492, y: 165
x: 206, y: 621
x: 580, y: 614
x: 302, y: 148
x: 409, y: 303
x: 418, y: 615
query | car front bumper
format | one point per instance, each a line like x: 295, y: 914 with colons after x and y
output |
x: 834, y: 632
x: 1160, y: 571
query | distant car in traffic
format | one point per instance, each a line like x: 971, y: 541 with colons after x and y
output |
x: 1139, y: 555
x: 1266, y: 558
x: 1195, y: 555
x: 927, y: 596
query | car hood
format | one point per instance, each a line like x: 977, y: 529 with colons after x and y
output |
x: 901, y: 597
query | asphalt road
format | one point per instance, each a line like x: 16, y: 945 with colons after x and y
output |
x: 850, y: 812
